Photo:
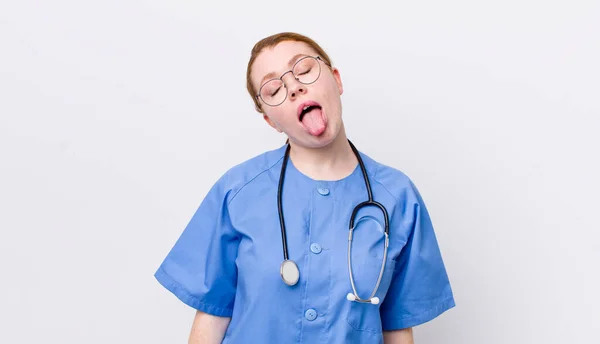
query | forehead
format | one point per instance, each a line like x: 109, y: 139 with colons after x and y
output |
x: 275, y: 59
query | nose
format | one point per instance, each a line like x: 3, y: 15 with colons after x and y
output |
x: 295, y: 87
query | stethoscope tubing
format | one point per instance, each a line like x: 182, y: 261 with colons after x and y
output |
x: 279, y: 203
x: 370, y: 202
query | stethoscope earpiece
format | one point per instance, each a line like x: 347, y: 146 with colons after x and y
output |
x: 352, y: 297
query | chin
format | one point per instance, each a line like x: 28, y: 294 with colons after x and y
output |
x: 329, y: 136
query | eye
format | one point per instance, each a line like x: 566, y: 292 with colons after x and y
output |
x: 306, y: 71
x: 275, y: 92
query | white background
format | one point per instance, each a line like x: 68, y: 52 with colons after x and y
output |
x: 117, y: 116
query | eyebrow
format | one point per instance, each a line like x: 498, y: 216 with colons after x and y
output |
x: 273, y: 74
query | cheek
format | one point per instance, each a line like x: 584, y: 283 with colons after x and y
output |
x: 330, y: 90
x: 278, y: 114
x: 288, y: 114
x: 330, y: 86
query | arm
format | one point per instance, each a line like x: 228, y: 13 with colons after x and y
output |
x: 404, y: 336
x: 208, y: 329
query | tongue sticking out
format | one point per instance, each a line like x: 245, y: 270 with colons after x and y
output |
x: 313, y: 121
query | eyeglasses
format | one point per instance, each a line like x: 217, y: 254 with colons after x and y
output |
x: 306, y: 71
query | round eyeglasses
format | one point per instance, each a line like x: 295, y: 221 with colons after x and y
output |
x: 306, y: 71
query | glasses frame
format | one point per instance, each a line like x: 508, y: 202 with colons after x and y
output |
x: 318, y: 58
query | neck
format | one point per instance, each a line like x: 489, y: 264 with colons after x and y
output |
x: 332, y: 162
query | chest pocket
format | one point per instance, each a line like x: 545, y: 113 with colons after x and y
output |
x: 365, y: 316
x: 367, y: 257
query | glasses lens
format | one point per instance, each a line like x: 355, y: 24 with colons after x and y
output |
x: 273, y: 92
x: 307, y: 70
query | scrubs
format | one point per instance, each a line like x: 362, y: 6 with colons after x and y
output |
x: 226, y: 262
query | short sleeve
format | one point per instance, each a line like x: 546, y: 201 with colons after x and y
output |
x: 200, y: 268
x: 420, y: 289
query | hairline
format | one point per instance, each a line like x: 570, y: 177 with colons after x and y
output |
x: 294, y: 59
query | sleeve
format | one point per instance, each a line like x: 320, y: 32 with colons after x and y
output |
x: 200, y: 269
x: 420, y: 289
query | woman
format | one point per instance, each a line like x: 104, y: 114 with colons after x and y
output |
x: 265, y: 258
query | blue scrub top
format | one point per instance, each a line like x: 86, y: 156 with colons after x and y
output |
x: 226, y: 262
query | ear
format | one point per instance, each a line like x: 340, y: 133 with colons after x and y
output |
x: 338, y: 79
x: 271, y: 123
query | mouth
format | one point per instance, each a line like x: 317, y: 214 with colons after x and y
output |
x: 307, y: 107
x: 312, y: 118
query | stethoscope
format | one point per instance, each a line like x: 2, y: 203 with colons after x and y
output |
x: 289, y: 270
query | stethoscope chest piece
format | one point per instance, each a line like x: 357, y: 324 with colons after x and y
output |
x: 289, y: 272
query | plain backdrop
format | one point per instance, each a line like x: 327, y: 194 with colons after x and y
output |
x: 117, y: 116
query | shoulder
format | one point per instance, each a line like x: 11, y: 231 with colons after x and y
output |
x: 236, y: 178
x: 394, y: 180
